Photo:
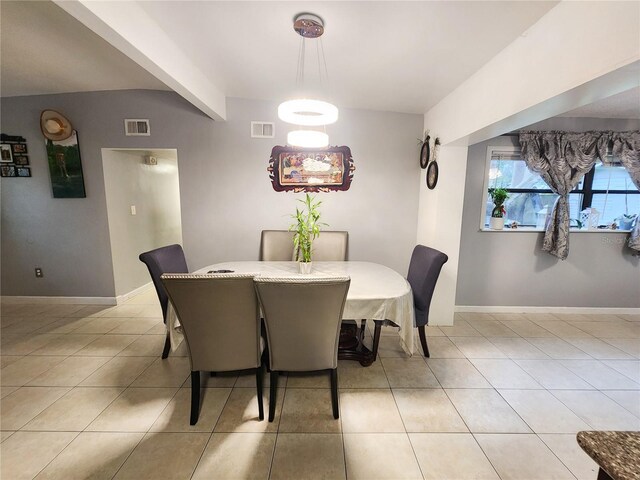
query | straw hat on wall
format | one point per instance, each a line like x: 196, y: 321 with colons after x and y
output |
x: 54, y: 125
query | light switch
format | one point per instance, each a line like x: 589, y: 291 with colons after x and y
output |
x: 133, y: 209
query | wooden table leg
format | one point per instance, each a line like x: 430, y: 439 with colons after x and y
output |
x: 376, y: 339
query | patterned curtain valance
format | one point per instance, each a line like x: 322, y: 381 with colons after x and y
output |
x: 562, y: 159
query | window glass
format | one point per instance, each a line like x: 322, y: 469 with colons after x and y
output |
x: 614, y: 177
x: 530, y: 209
x: 513, y: 174
x: 611, y: 207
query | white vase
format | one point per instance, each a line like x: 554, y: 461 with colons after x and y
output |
x: 496, y: 223
x: 305, y: 267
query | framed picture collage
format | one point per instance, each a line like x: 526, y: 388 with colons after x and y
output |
x: 14, y: 157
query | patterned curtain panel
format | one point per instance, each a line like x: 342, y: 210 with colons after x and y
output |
x: 626, y: 147
x: 561, y: 159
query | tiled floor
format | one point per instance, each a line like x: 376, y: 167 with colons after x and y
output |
x: 86, y: 395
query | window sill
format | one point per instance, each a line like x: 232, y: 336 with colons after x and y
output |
x: 537, y: 230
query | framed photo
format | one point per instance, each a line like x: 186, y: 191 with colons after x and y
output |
x: 425, y: 153
x: 65, y: 167
x: 5, y: 153
x: 432, y: 175
x: 21, y: 160
x: 23, y: 172
x: 7, y: 171
x: 310, y: 170
x: 19, y: 148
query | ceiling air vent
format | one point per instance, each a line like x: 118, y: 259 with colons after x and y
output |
x: 263, y: 129
x: 136, y: 127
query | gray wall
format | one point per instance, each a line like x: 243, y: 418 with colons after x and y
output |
x: 509, y: 268
x: 154, y: 191
x: 226, y: 198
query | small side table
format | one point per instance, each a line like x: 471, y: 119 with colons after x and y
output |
x: 616, y: 453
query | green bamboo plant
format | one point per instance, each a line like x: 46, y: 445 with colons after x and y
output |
x: 306, y: 227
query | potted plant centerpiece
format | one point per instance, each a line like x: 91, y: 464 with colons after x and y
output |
x: 306, y: 228
x: 498, y: 196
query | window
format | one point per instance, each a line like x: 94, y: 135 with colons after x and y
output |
x: 608, y: 188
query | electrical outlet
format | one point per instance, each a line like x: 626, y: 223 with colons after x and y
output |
x: 133, y: 209
x: 39, y: 273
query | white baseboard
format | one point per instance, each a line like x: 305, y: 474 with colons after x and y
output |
x: 119, y: 300
x: 517, y: 309
x: 60, y: 300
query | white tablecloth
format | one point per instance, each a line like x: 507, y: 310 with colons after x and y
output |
x: 376, y: 292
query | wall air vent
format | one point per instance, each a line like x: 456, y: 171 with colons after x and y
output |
x: 263, y: 129
x: 136, y: 127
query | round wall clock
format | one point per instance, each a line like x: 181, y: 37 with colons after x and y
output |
x: 432, y: 175
x: 425, y: 153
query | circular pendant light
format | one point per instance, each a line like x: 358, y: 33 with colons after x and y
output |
x: 308, y: 112
x: 307, y: 138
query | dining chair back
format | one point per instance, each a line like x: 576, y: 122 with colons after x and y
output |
x: 302, y: 319
x: 424, y: 270
x: 220, y: 320
x: 276, y: 246
x: 169, y: 259
x: 331, y: 246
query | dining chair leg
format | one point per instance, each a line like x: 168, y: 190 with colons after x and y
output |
x: 334, y: 393
x: 167, y: 346
x: 272, y: 396
x: 423, y: 340
x: 195, y: 397
x: 376, y: 339
x: 259, y: 391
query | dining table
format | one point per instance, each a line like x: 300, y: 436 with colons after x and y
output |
x: 376, y: 293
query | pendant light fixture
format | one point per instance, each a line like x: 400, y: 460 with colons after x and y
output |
x: 307, y: 112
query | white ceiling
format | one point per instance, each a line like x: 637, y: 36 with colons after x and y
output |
x: 622, y: 105
x: 44, y: 50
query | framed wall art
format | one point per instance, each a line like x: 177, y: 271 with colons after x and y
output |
x: 311, y: 170
x: 13, y: 156
x: 65, y: 167
x: 6, y: 155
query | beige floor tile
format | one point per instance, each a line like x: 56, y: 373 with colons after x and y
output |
x: 353, y: 375
x: 442, y: 347
x: 552, y: 374
x: 543, y: 412
x: 559, y: 349
x: 137, y: 325
x: 240, y: 413
x: 527, y: 329
x: 434, y: 331
x: 627, y: 345
x: 573, y: 317
x: 380, y: 456
x: 493, y: 328
x: 485, y: 411
x: 65, y: 344
x: 125, y: 310
x: 451, y: 456
x: 566, y: 448
x: 221, y: 380
x: 64, y: 325
x: 626, y: 398
x: 477, y: 347
x: 4, y: 391
x: 92, y: 455
x: 89, y: 311
x: 457, y: 373
x: 610, y: 329
x: 164, y: 456
x: 26, y: 369
x: 5, y: 434
x: 409, y: 373
x: 599, y: 349
x: 366, y: 411
x: 518, y: 348
x: 99, y: 325
x: 390, y: 346
x: 70, y: 372
x: 504, y: 373
x: 427, y: 410
x: 107, y: 345
x: 133, y: 411
x: 159, y: 329
x: 309, y: 456
x: 24, y: 454
x: 563, y: 329
x: 473, y: 316
x: 308, y: 380
x: 522, y: 457
x: 118, y: 372
x: 598, y: 410
x: 25, y: 344
x: 144, y: 346
x: 630, y: 317
x: 21, y: 406
x: 307, y: 410
x: 28, y: 324
x: 248, y: 380
x: 629, y: 368
x: 6, y: 360
x: 237, y: 456
x: 460, y: 328
x: 168, y: 372
x: 75, y: 410
x: 175, y: 417
x: 600, y: 376
x: 540, y: 317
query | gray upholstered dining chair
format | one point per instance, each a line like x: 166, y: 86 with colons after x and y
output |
x: 302, y: 319
x: 169, y: 259
x: 331, y: 246
x: 424, y: 270
x: 277, y: 246
x: 220, y: 319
